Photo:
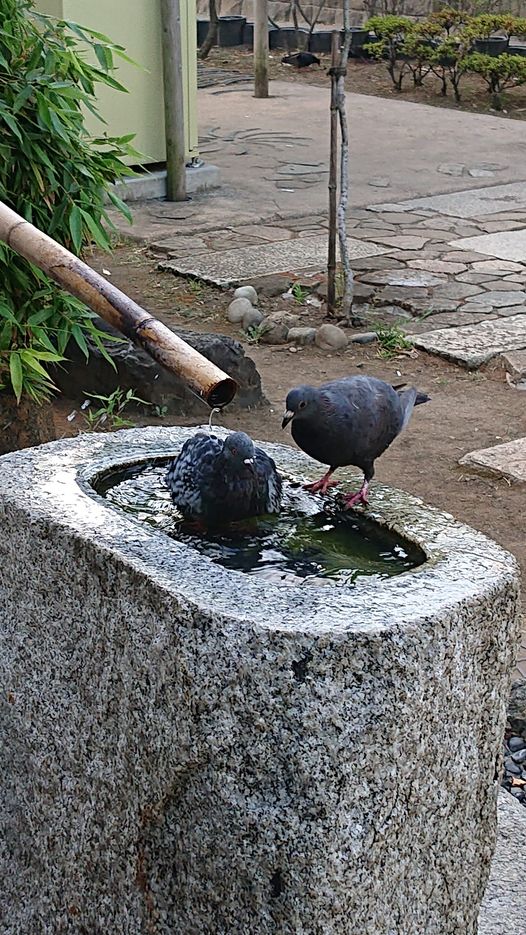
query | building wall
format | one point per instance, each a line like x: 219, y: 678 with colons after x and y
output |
x: 135, y: 24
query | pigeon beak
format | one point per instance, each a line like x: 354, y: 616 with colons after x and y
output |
x: 288, y: 417
x: 250, y: 465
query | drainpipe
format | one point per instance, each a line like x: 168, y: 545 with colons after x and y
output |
x: 173, y: 100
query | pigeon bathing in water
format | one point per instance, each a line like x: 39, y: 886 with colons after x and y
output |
x: 349, y: 422
x: 216, y: 482
x: 300, y: 60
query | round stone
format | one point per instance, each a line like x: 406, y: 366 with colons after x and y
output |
x: 238, y: 309
x: 516, y: 743
x: 331, y: 338
x: 289, y: 319
x: 519, y: 756
x: 247, y: 292
x: 365, y: 337
x: 302, y: 336
x: 274, y: 333
x: 252, y: 318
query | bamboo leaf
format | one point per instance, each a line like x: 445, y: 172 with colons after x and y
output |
x: 78, y: 335
x: 75, y: 227
x: 16, y: 373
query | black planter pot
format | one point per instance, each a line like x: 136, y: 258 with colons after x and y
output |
x: 492, y: 46
x: 321, y: 41
x: 288, y: 38
x: 202, y: 30
x: 248, y: 34
x: 231, y: 30
x: 517, y: 50
x: 358, y: 39
x: 371, y: 40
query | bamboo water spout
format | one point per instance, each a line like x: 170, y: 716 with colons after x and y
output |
x: 115, y: 307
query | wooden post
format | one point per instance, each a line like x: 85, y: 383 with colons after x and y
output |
x: 261, y: 48
x: 77, y: 278
x: 173, y: 100
x: 333, y: 174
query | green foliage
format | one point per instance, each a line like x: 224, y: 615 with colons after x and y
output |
x: 254, y: 333
x: 299, y: 292
x: 54, y: 174
x: 110, y: 413
x: 499, y: 73
x: 443, y: 44
x: 392, y: 340
x: 391, y: 32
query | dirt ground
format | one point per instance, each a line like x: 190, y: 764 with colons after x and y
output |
x: 370, y: 77
x: 467, y: 410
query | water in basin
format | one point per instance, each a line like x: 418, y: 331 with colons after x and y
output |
x: 312, y: 541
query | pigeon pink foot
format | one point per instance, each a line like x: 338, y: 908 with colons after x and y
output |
x: 361, y: 497
x: 322, y: 485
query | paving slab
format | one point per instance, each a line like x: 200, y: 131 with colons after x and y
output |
x: 507, y: 460
x: 500, y: 298
x: 514, y: 363
x: 470, y: 203
x: 506, y: 245
x: 503, y: 909
x: 228, y: 267
x: 473, y: 345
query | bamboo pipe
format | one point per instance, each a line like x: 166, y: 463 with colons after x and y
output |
x: 77, y: 278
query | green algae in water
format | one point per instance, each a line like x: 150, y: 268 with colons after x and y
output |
x: 310, y: 542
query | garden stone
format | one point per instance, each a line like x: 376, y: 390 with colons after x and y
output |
x: 302, y: 336
x: 283, y: 317
x: 503, y: 285
x: 498, y: 266
x: 516, y: 743
x: 136, y: 370
x: 246, y: 292
x: 519, y: 756
x: 366, y: 337
x: 252, y: 318
x: 331, y: 338
x: 457, y: 290
x: 517, y: 707
x: 238, y: 309
x: 211, y: 746
x: 272, y: 286
x: 437, y: 266
x: 273, y: 332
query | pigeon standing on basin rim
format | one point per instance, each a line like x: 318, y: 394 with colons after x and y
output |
x: 349, y: 422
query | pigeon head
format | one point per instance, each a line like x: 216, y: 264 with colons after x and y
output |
x: 239, y: 453
x: 300, y: 403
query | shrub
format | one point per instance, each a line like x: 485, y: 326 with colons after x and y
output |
x: 54, y: 174
x: 498, y: 73
x: 391, y: 32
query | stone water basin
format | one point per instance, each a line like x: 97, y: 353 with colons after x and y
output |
x: 191, y: 748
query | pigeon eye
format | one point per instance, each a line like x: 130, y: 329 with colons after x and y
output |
x: 234, y: 451
x: 302, y: 404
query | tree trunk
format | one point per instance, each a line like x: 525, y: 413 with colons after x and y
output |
x: 213, y: 29
x: 173, y: 100
x: 261, y: 49
x: 24, y: 425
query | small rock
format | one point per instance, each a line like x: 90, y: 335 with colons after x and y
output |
x: 274, y: 333
x: 519, y: 756
x: 237, y: 310
x: 511, y: 767
x: 302, y: 336
x: 252, y: 318
x: 367, y: 337
x: 380, y: 182
x: 272, y: 285
x: 289, y: 319
x: 247, y: 292
x: 518, y: 794
x: 331, y: 338
x: 516, y: 743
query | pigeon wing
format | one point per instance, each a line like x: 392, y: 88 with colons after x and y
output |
x: 190, y: 476
x: 270, y: 487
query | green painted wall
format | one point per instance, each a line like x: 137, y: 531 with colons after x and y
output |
x: 135, y: 24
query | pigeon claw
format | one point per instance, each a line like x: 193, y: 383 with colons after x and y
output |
x: 354, y: 499
x: 321, y: 486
